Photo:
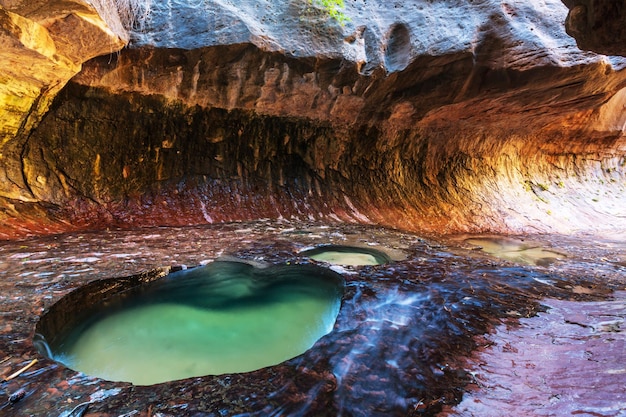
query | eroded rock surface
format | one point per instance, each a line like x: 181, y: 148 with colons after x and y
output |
x: 444, y: 117
x: 400, y: 345
x: 44, y: 44
x: 598, y: 25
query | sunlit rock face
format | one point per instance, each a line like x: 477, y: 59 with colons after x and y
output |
x: 598, y: 26
x: 443, y: 117
x: 44, y: 44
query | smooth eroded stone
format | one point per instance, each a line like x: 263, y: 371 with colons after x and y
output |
x: 347, y: 255
x: 516, y: 250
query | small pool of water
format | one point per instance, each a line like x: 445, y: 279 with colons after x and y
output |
x: 402, y: 343
x: 347, y: 255
x: 516, y: 250
x: 225, y: 317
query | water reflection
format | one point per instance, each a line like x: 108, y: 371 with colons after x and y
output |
x: 224, y: 317
x: 516, y: 250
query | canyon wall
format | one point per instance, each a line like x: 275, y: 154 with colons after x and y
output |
x: 441, y: 117
x: 44, y: 44
x: 598, y: 25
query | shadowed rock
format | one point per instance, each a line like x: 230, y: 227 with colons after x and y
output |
x: 598, y: 26
x: 451, y: 116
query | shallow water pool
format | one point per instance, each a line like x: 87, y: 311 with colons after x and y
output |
x: 225, y: 317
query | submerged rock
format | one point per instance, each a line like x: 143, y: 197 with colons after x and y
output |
x: 224, y: 317
x: 411, y: 339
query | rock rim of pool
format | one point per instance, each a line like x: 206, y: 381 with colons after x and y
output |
x: 214, y: 296
x: 347, y: 255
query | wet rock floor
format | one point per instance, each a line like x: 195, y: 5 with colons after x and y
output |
x: 445, y: 329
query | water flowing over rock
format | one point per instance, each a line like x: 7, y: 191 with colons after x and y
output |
x: 276, y: 130
x: 445, y: 117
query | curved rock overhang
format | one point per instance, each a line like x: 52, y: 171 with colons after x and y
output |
x: 44, y: 44
x: 598, y: 26
x: 415, y: 123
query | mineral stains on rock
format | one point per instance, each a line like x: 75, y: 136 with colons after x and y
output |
x: 187, y: 150
x: 494, y: 123
x: 432, y: 117
x: 597, y: 25
x: 44, y: 44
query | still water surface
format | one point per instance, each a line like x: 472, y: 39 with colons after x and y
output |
x: 225, y: 317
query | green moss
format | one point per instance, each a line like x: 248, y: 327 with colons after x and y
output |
x: 534, y: 187
x: 333, y: 8
x: 527, y: 186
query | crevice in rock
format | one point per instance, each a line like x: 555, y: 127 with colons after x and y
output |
x: 398, y: 49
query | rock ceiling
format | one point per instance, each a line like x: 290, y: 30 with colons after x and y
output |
x: 440, y: 117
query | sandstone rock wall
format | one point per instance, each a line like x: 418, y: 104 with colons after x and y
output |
x: 44, y: 44
x: 598, y: 25
x: 445, y: 117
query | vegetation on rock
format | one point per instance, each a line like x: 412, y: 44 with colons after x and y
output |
x: 333, y: 8
x: 133, y: 12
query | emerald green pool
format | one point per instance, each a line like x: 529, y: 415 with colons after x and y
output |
x: 225, y: 317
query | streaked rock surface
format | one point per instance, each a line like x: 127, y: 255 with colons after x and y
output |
x: 44, y: 44
x: 598, y: 26
x: 443, y: 117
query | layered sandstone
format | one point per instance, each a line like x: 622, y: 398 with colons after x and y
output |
x: 44, y: 44
x: 452, y: 116
x: 598, y: 25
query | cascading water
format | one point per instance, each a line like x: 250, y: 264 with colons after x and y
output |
x: 529, y: 136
